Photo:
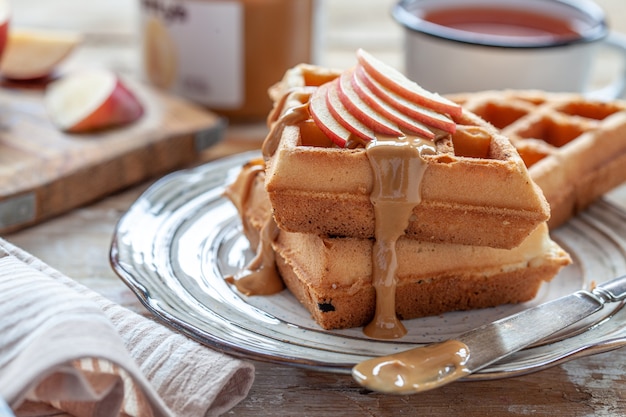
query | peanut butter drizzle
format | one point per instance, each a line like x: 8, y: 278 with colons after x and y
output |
x: 296, y: 104
x: 414, y: 370
x: 263, y: 278
x: 398, y: 167
x: 239, y: 191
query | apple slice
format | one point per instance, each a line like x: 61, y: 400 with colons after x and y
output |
x: 343, y: 116
x: 362, y: 111
x: 5, y: 18
x: 91, y: 100
x: 423, y: 114
x: 33, y: 54
x: 377, y: 104
x: 324, y: 120
x: 395, y: 81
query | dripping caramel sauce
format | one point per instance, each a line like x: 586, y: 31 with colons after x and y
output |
x: 398, y: 167
x: 261, y: 276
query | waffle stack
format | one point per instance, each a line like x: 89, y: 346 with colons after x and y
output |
x: 574, y: 147
x: 331, y: 276
x: 478, y: 238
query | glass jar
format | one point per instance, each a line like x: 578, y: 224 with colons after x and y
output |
x: 225, y: 54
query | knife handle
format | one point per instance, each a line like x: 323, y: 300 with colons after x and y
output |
x: 612, y: 291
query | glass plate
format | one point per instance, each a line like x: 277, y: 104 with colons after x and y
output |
x: 179, y: 240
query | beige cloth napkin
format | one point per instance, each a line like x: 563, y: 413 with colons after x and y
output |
x: 66, y: 345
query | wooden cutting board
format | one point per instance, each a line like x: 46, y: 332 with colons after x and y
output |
x: 45, y: 172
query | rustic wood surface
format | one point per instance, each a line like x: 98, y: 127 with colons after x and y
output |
x: 77, y: 243
x: 39, y: 163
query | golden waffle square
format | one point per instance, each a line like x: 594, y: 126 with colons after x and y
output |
x: 332, y: 277
x: 478, y: 194
x: 574, y: 147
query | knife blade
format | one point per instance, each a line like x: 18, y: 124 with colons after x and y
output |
x: 437, y: 364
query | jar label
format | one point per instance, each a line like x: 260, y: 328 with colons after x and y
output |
x: 195, y: 49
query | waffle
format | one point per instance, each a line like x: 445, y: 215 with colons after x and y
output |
x: 574, y: 148
x: 458, y: 224
x: 476, y: 191
x: 332, y: 276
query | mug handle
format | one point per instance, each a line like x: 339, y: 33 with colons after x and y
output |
x: 616, y: 89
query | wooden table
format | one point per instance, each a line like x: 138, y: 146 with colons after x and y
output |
x: 78, y: 243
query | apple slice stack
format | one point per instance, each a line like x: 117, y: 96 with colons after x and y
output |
x: 374, y: 99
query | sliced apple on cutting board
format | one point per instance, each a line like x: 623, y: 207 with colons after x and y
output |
x: 91, y: 100
x: 5, y: 18
x: 34, y: 54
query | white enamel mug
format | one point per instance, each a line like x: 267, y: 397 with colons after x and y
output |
x: 454, y: 46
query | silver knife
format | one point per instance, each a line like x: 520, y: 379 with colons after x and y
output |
x: 431, y: 366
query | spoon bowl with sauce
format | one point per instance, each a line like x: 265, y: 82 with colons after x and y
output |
x: 414, y: 370
x: 424, y: 368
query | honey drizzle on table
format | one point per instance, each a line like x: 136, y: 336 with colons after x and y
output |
x: 398, y: 166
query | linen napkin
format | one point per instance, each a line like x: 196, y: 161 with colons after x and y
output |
x: 63, y: 344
